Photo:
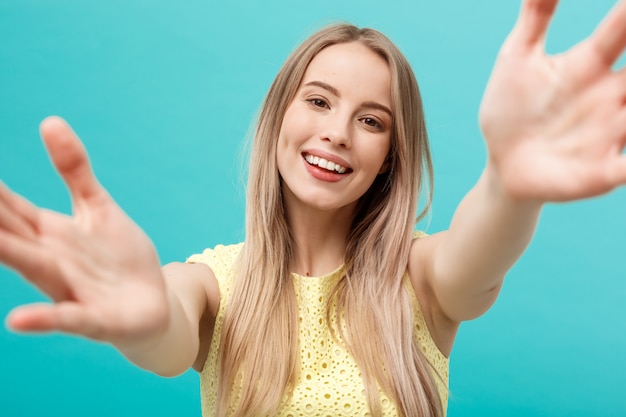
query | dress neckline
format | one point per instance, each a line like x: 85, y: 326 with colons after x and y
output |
x: 337, y: 273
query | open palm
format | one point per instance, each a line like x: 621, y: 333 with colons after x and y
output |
x: 100, y: 270
x: 555, y: 126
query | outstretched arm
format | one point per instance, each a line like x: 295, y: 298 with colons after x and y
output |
x: 555, y: 127
x: 100, y: 270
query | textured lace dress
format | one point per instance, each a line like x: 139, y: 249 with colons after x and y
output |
x: 329, y: 381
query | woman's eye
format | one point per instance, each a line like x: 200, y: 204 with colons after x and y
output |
x: 372, y: 122
x: 318, y: 102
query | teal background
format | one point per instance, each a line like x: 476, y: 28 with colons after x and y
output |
x: 163, y: 94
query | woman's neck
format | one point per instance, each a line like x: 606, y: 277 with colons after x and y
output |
x: 320, y: 239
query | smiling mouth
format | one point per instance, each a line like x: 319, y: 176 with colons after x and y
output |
x: 326, y: 164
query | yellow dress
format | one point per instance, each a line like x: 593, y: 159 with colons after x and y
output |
x: 329, y: 383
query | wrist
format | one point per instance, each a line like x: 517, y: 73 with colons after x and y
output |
x: 502, y: 186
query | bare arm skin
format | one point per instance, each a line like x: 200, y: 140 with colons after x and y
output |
x: 195, y: 294
x: 555, y: 127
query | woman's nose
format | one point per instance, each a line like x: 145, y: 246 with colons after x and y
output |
x: 337, y: 131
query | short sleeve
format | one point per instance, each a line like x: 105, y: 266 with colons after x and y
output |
x: 221, y: 260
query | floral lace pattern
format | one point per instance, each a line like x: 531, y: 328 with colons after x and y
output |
x: 329, y: 382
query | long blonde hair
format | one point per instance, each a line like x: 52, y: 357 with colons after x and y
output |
x: 260, y: 333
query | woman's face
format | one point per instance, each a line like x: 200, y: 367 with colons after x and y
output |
x: 336, y: 132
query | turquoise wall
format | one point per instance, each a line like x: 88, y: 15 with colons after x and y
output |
x: 163, y: 93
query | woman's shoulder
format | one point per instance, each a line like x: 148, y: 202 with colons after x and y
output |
x: 220, y: 258
x: 420, y: 269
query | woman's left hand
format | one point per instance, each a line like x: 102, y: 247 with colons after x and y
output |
x: 555, y: 126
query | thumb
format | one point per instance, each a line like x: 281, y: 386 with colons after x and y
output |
x: 533, y: 21
x: 67, y: 317
x: 69, y: 158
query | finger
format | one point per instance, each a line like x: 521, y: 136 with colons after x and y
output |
x: 30, y: 318
x: 68, y: 317
x: 11, y: 222
x: 32, y: 263
x: 616, y: 168
x: 617, y: 127
x: 610, y: 36
x: 70, y: 158
x: 533, y: 21
x: 616, y: 172
x: 17, y: 215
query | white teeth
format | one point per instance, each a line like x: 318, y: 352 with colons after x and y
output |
x: 323, y: 163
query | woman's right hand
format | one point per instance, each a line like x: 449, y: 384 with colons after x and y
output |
x: 100, y: 270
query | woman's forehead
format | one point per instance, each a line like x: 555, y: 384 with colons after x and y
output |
x: 352, y: 68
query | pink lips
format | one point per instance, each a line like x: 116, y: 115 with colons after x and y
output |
x: 325, y: 174
x: 329, y: 157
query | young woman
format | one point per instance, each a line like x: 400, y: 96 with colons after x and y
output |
x: 333, y: 305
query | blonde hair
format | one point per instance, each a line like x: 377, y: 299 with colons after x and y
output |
x: 260, y: 333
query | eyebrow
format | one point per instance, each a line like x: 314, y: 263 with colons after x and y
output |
x: 324, y: 86
x: 333, y: 90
